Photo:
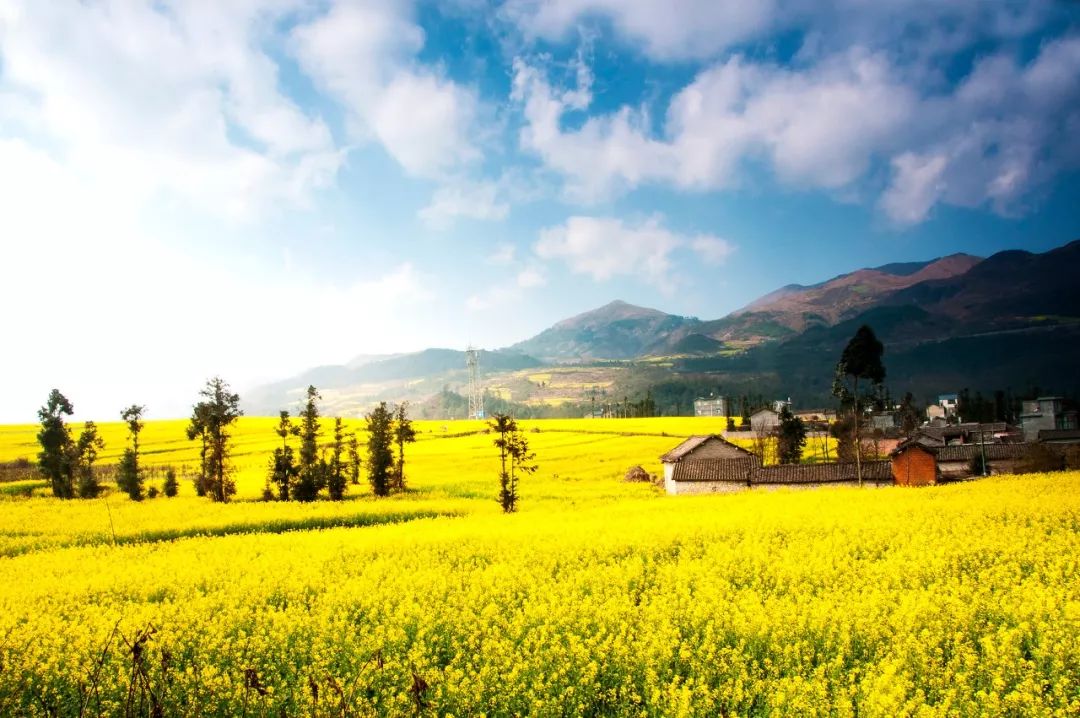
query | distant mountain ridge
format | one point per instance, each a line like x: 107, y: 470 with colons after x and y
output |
x: 617, y: 330
x: 934, y: 313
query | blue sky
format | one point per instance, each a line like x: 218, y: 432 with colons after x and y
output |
x: 261, y: 187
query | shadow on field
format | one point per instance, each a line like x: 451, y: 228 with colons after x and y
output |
x: 32, y: 542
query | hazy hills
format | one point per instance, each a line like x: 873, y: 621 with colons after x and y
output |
x: 949, y: 322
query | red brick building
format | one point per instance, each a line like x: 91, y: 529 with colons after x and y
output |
x: 914, y: 465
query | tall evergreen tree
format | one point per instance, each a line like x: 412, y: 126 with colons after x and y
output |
x: 380, y: 423
x: 354, y: 459
x: 283, y: 469
x: 311, y: 472
x: 55, y: 457
x: 86, y: 450
x: 790, y: 437
x: 212, y: 419
x: 404, y: 433
x: 129, y: 476
x: 860, y: 360
x: 336, y: 476
x: 198, y: 429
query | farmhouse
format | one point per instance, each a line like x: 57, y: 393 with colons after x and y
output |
x: 710, y: 464
x: 710, y: 406
x: 918, y: 462
x: 763, y: 421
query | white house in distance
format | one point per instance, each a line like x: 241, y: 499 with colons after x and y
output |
x: 710, y: 406
x: 765, y: 420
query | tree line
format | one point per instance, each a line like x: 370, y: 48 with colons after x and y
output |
x: 300, y: 473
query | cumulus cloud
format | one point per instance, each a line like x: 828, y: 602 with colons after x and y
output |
x: 1006, y: 129
x: 712, y: 250
x: 704, y: 29
x: 603, y: 248
x: 1000, y: 132
x: 697, y: 28
x: 182, y: 102
x: 471, y: 200
x: 818, y: 127
x: 361, y: 52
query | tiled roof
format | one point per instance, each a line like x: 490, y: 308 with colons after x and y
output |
x: 684, y: 448
x: 820, y: 473
x: 735, y: 471
x: 1059, y: 435
x: 746, y: 471
x: 994, y: 452
x: 687, y: 447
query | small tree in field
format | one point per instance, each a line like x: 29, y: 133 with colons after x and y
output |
x: 380, y: 460
x: 790, y: 437
x: 404, y: 433
x: 128, y: 474
x: 171, y: 487
x: 336, y: 471
x: 86, y: 450
x: 514, y: 459
x: 55, y: 457
x: 283, y: 469
x: 212, y: 419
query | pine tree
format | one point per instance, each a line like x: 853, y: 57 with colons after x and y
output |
x: 336, y: 478
x: 311, y: 472
x: 354, y: 459
x: 283, y: 469
x: 404, y: 433
x: 380, y: 454
x: 129, y: 476
x: 197, y: 429
x: 55, y: 457
x: 86, y: 450
x: 212, y: 420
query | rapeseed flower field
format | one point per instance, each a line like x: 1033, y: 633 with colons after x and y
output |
x: 599, y: 597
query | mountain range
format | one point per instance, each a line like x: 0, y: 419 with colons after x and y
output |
x: 1012, y: 319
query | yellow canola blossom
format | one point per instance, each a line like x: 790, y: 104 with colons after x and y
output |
x: 958, y: 600
x: 599, y: 598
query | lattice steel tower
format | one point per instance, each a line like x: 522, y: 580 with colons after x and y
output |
x: 476, y: 392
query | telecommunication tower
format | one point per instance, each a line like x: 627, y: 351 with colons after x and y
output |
x: 476, y: 393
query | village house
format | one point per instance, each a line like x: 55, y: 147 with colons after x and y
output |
x: 710, y: 464
x: 922, y: 462
x: 1045, y: 414
x: 764, y: 421
x: 815, y: 415
x: 710, y: 406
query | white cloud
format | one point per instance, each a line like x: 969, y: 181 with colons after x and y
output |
x: 692, y: 29
x: 531, y: 277
x: 1004, y: 130
x: 917, y: 186
x: 603, y: 248
x: 181, y: 103
x: 361, y: 52
x: 504, y: 254
x: 712, y: 250
x: 471, y: 200
x: 704, y: 29
x: 818, y: 127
